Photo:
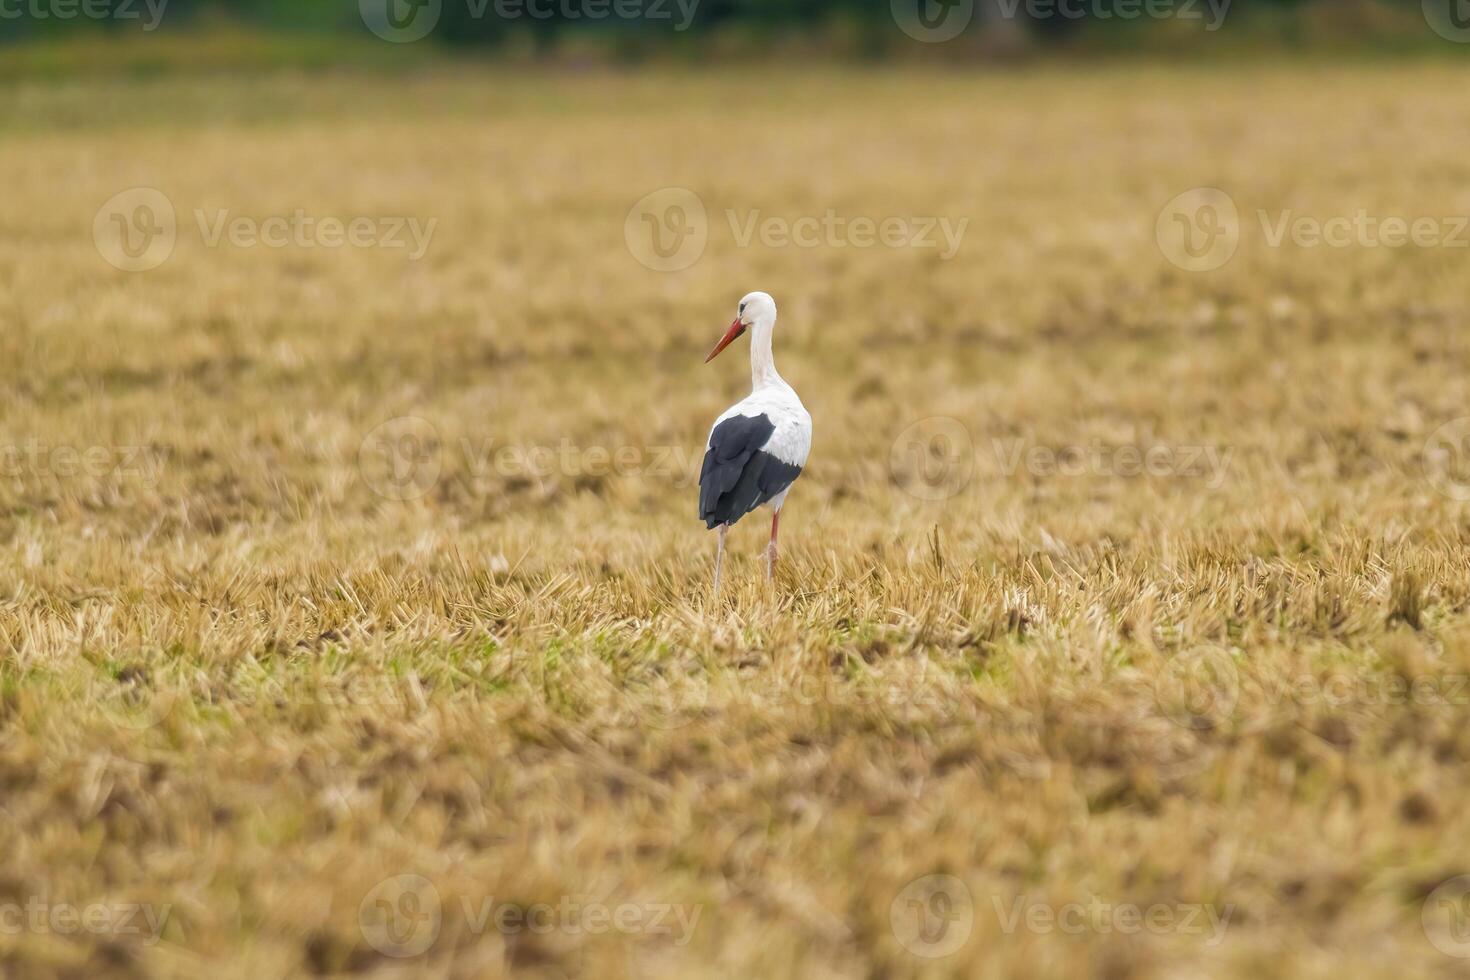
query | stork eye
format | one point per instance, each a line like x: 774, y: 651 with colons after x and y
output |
x: 742, y: 308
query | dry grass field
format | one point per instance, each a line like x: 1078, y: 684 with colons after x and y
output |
x: 356, y: 619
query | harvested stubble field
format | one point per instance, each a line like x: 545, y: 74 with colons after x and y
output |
x: 247, y: 689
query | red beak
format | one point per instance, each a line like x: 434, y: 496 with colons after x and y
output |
x: 736, y: 329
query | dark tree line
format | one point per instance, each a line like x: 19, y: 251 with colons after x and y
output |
x: 484, y: 22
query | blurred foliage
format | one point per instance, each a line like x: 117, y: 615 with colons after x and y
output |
x: 701, y: 29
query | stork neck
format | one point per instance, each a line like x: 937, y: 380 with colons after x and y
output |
x: 762, y: 361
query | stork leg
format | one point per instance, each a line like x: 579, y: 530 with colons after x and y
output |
x: 720, y: 558
x: 771, y: 549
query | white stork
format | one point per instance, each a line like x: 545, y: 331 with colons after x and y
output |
x: 758, y: 445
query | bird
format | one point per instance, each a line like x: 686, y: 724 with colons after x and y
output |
x: 758, y: 446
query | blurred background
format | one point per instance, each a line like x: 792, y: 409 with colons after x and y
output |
x: 291, y: 290
x: 151, y: 35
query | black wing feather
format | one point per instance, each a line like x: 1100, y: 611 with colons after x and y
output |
x: 738, y: 475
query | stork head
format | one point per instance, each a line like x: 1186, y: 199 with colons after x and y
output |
x: 755, y: 308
